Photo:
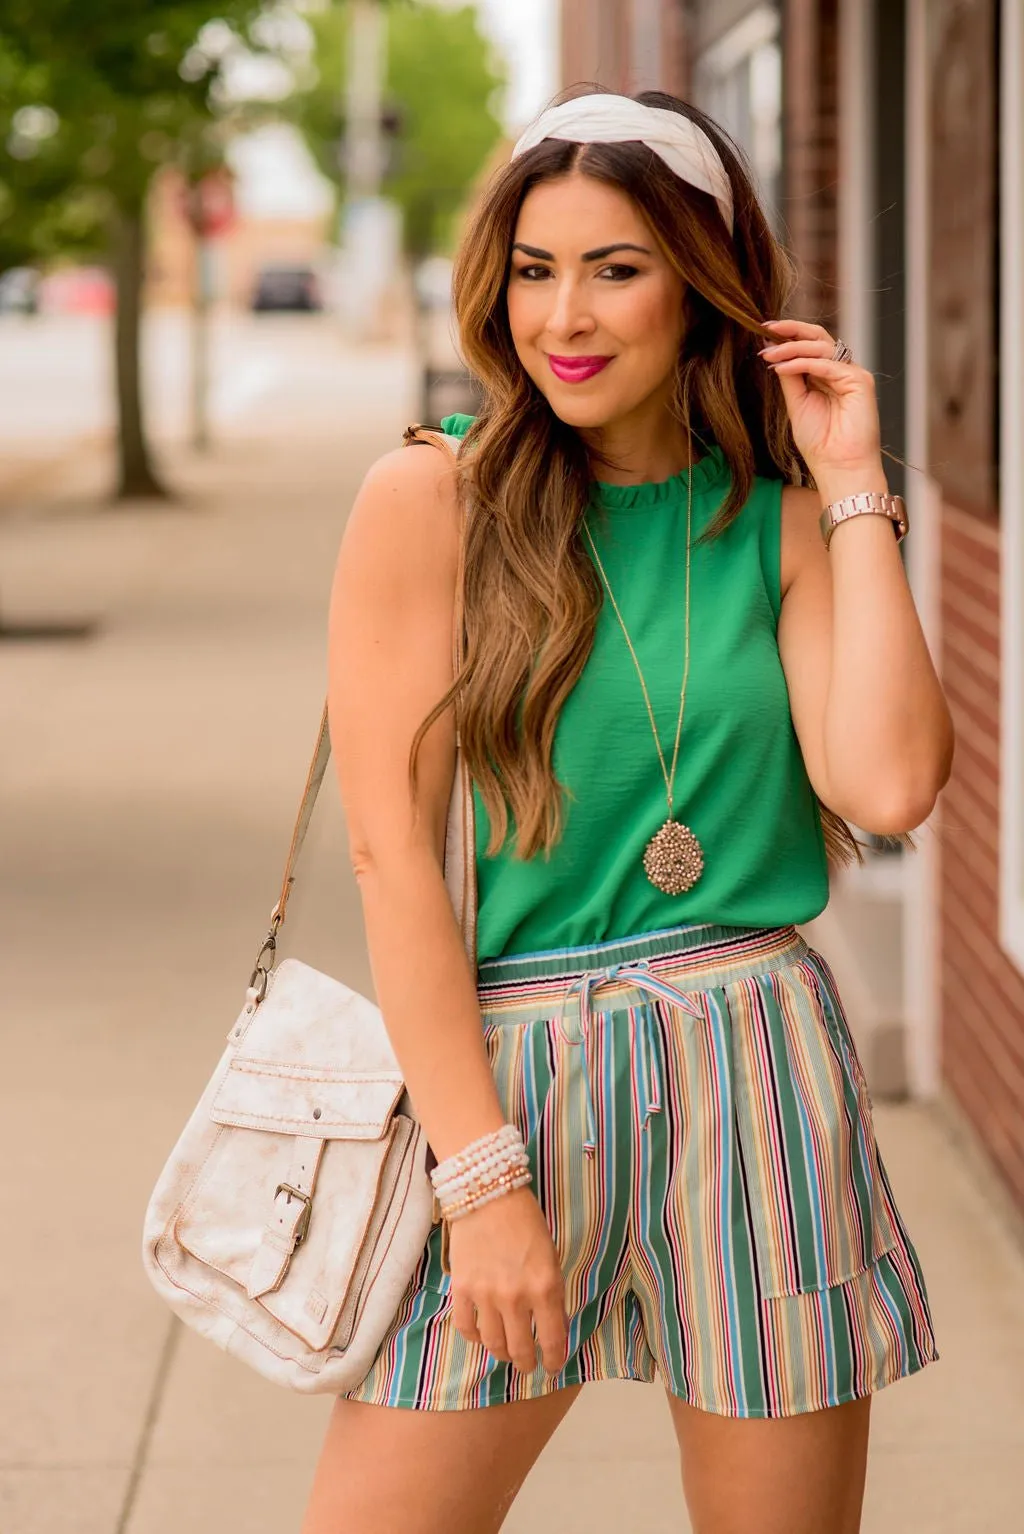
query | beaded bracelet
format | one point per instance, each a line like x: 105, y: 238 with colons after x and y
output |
x: 508, y: 1134
x: 512, y: 1166
x: 506, y: 1183
x: 467, y: 1165
x: 449, y: 1195
x: 480, y: 1171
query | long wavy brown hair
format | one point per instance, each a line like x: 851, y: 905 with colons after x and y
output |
x: 531, y: 594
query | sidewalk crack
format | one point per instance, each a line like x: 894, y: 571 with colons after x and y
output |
x: 141, y: 1455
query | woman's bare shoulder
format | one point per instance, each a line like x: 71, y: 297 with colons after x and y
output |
x: 406, y: 509
x: 422, y: 468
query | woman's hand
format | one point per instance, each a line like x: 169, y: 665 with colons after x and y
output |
x: 832, y: 405
x: 506, y: 1281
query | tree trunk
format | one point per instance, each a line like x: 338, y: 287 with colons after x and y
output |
x: 136, y: 477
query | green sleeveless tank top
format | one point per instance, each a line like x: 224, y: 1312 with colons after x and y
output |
x: 740, y: 783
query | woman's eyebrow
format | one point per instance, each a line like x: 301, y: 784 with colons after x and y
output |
x: 588, y: 255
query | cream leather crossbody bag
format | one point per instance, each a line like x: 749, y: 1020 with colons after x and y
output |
x: 295, y: 1206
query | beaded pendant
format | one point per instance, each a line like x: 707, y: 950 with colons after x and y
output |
x: 674, y: 858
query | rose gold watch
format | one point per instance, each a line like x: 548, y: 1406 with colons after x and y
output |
x: 870, y: 502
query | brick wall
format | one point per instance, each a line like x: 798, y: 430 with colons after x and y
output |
x: 810, y: 206
x: 625, y: 44
x: 982, y: 989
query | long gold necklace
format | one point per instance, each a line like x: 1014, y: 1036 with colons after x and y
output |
x: 673, y: 858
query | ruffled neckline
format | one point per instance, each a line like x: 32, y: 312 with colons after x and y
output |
x: 709, y: 472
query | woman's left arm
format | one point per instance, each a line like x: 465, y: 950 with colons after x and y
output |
x: 867, y: 706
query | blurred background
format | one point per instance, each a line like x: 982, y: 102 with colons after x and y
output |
x: 226, y: 233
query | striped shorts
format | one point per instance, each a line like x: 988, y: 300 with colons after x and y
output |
x: 701, y: 1142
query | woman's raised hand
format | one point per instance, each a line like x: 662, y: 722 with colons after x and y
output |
x: 832, y: 405
x: 507, y: 1284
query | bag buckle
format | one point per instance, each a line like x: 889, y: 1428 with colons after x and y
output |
x: 303, y: 1226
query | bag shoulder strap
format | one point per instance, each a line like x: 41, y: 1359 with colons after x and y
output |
x: 460, y: 848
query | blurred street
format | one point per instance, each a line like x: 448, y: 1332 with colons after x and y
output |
x: 271, y: 372
x: 149, y: 779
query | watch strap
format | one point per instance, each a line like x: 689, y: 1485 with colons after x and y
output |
x: 865, y: 503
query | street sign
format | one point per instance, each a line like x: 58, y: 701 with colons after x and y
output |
x: 209, y: 203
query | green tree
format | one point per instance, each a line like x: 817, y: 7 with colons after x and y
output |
x: 43, y: 208
x: 96, y: 96
x: 441, y: 84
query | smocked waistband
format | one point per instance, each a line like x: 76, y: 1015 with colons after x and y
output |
x: 691, y: 957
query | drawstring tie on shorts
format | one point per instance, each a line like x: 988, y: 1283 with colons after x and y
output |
x: 638, y: 973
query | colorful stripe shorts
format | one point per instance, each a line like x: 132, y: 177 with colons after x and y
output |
x: 701, y: 1142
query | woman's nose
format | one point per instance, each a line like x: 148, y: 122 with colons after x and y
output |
x: 569, y: 315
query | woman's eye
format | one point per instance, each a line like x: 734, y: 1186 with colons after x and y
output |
x: 532, y: 273
x: 618, y: 272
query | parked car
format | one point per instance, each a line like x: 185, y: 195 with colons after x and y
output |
x: 284, y: 286
x: 78, y: 290
x: 19, y: 290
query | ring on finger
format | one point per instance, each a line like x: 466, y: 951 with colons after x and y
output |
x: 841, y: 352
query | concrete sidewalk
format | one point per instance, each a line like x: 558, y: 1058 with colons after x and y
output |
x: 148, y: 783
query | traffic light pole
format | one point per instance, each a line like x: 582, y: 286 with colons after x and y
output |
x: 201, y: 293
x: 367, y: 232
x: 364, y: 91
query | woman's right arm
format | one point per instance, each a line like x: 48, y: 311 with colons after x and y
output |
x: 389, y: 661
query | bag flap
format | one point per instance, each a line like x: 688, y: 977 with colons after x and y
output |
x: 313, y: 1058
x: 310, y: 1017
x: 288, y: 1097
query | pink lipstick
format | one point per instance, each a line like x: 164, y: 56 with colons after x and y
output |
x: 577, y: 369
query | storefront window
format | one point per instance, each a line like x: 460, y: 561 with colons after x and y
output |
x: 738, y: 81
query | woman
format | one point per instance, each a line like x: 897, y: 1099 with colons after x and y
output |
x: 653, y: 1133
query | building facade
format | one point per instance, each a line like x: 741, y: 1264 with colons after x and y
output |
x: 971, y: 148
x: 929, y: 251
x: 888, y: 139
x: 628, y: 45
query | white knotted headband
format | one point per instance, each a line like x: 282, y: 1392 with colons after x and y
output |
x: 604, y: 118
